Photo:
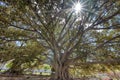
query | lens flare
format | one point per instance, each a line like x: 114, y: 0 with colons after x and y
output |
x: 77, y: 7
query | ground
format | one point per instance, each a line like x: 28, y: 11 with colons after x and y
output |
x: 27, y: 77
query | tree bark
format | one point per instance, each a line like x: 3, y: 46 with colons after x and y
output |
x: 60, y: 72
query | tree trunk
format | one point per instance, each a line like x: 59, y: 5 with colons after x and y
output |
x: 60, y: 72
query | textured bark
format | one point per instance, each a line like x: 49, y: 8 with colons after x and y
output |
x: 60, y: 73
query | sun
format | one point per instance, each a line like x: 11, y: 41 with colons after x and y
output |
x: 78, y: 7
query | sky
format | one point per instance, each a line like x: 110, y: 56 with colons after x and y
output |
x: 2, y: 3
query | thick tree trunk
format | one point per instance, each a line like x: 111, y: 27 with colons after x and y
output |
x: 60, y: 72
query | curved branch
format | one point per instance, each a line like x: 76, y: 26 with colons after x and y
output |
x: 110, y: 61
x: 101, y: 45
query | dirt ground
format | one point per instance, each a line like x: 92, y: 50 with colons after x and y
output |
x: 22, y: 77
x: 27, y: 77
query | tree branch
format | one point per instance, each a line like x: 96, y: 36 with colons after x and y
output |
x: 110, y: 61
x: 101, y: 45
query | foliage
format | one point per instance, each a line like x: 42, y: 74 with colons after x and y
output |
x: 85, y: 39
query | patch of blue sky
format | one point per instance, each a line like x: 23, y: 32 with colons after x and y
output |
x: 3, y: 4
x: 18, y: 43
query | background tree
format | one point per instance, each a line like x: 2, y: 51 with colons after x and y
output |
x: 70, y: 37
x: 21, y: 56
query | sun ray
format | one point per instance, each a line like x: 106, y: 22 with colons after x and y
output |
x: 78, y: 7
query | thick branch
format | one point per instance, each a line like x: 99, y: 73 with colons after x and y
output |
x: 107, y: 18
x: 110, y: 61
x: 101, y: 45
